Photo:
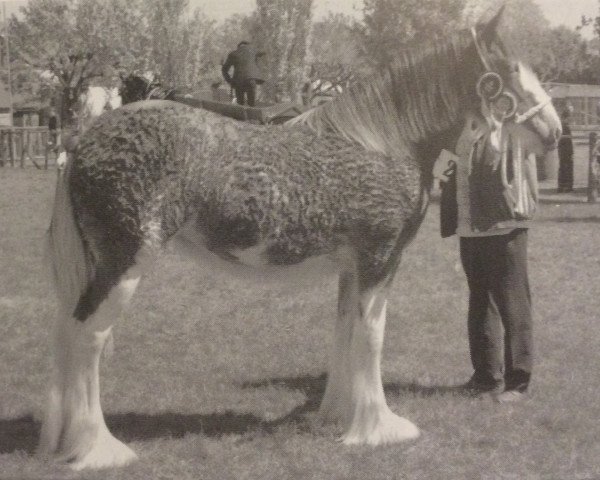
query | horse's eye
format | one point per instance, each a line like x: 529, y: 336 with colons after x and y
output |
x: 514, y: 68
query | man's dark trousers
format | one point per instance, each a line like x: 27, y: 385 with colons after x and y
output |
x: 499, y: 308
x: 247, y: 89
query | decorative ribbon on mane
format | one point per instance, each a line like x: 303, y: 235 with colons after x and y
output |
x: 514, y: 182
x: 498, y: 107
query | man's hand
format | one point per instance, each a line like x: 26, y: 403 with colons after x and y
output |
x: 444, y: 165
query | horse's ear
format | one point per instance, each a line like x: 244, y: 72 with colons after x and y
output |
x: 488, y: 31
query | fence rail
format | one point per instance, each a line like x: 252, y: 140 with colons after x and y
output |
x: 19, y: 145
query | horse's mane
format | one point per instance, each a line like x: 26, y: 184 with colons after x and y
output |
x: 419, y: 94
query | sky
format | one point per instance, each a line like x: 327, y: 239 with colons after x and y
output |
x: 558, y: 12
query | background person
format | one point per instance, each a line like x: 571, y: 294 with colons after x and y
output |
x: 53, y: 130
x: 565, y: 155
x: 246, y: 73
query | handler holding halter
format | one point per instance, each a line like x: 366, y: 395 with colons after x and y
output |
x: 489, y: 200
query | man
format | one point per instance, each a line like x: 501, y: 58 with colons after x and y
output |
x: 492, y: 221
x: 53, y: 129
x: 565, y: 155
x: 246, y: 74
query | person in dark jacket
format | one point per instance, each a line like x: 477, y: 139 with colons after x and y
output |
x: 246, y: 74
x: 565, y: 155
x: 493, y: 250
x: 53, y: 130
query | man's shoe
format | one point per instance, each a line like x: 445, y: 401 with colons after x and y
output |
x: 511, y: 396
x: 478, y: 389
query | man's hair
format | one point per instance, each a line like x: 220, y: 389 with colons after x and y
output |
x: 243, y: 42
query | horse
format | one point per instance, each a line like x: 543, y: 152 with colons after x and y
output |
x: 319, y: 91
x: 343, y: 189
x: 136, y: 87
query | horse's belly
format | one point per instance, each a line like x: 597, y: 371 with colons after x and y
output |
x: 253, y: 262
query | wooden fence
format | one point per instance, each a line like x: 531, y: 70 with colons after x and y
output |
x: 22, y: 145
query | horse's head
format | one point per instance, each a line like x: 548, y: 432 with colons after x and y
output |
x: 509, y: 91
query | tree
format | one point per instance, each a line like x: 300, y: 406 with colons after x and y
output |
x: 566, y: 58
x: 282, y: 31
x: 183, y: 52
x: 388, y: 26
x: 556, y: 54
x: 70, y: 43
x: 77, y: 43
x: 335, y: 61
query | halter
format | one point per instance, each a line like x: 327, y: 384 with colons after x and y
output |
x: 490, y: 88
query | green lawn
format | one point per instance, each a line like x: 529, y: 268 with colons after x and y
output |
x: 217, y: 378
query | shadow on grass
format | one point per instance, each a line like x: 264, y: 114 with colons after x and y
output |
x: 21, y: 434
x: 589, y: 219
x: 551, y: 197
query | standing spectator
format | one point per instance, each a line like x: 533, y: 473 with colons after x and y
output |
x: 53, y: 129
x: 565, y: 155
x: 246, y: 74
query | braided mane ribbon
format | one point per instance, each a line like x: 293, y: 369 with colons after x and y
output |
x: 522, y: 191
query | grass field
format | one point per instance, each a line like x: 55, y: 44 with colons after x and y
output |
x: 215, y: 378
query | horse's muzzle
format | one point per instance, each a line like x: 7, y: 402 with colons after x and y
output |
x: 551, y: 142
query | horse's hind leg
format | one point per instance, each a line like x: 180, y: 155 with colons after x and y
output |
x: 354, y: 394
x: 337, y: 389
x: 74, y: 428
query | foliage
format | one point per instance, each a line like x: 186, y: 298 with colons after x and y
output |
x: 68, y: 45
x: 333, y: 41
x: 388, y: 26
x: 71, y: 43
x: 335, y: 55
x: 567, y: 58
x: 282, y: 31
x: 182, y: 51
x: 557, y: 54
x: 60, y: 47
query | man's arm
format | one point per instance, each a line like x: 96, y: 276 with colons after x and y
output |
x: 225, y: 68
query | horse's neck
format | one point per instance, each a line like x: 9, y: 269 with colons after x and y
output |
x: 429, y: 149
x: 419, y: 103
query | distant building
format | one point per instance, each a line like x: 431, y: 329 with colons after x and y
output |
x: 5, y: 107
x: 582, y: 100
x: 27, y: 111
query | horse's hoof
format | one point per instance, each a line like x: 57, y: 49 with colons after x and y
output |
x: 107, y: 452
x: 386, y: 428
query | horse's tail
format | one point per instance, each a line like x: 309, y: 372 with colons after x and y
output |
x: 71, y: 397
x: 70, y: 264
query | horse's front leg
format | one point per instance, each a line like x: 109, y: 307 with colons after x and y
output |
x: 354, y: 394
